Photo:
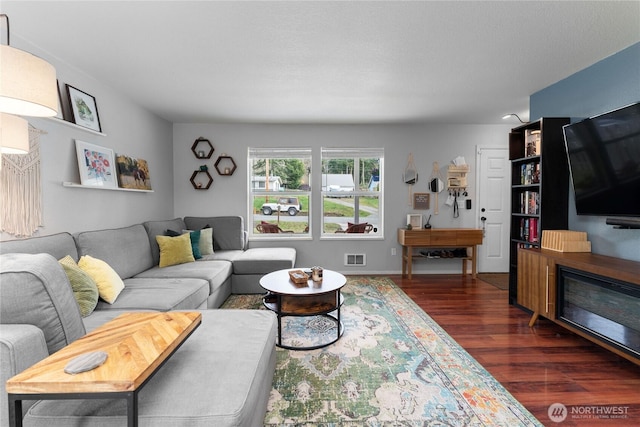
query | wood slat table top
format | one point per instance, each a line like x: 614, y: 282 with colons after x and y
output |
x: 136, y: 344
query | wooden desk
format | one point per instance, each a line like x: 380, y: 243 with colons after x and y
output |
x: 444, y: 238
x: 137, y: 345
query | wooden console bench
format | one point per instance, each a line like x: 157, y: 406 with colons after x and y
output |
x: 442, y: 238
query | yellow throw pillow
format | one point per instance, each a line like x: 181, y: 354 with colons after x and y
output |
x: 109, y: 283
x: 175, y: 250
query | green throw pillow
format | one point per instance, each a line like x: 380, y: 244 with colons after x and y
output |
x: 205, y: 247
x: 195, y: 243
x: 84, y: 287
x: 175, y: 250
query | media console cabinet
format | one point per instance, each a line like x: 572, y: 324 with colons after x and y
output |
x: 594, y: 296
x: 441, y: 238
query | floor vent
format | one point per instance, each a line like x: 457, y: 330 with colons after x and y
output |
x: 355, y: 259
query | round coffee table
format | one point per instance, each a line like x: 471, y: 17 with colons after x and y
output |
x: 311, y: 299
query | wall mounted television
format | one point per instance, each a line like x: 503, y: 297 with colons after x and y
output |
x: 604, y: 161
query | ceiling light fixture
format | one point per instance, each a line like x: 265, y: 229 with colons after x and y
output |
x: 28, y: 85
x: 14, y: 134
x: 506, y: 116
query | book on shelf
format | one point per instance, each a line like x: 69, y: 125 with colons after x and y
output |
x: 525, y: 245
x: 530, y: 173
x: 530, y: 202
x: 529, y: 230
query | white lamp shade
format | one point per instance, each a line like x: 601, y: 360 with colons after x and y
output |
x: 28, y: 85
x: 14, y: 134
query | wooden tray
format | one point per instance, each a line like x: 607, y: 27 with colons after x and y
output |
x: 298, y: 277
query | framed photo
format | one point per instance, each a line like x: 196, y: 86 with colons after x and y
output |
x: 96, y: 165
x: 415, y: 220
x: 420, y: 200
x: 84, y: 109
x: 60, y: 114
x: 133, y: 173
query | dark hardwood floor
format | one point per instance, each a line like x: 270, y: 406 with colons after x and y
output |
x: 539, y: 366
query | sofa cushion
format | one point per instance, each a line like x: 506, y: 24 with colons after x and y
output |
x: 221, y: 376
x: 215, y: 272
x: 125, y: 249
x: 228, y: 231
x: 58, y: 245
x: 35, y: 291
x: 109, y: 283
x: 264, y: 260
x: 160, y: 295
x: 175, y: 250
x: 158, y: 228
x: 85, y: 289
x: 224, y: 255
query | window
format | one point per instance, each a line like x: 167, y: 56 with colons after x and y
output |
x: 279, y: 192
x: 352, y: 196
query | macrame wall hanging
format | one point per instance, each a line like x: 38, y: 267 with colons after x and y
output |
x: 21, y: 192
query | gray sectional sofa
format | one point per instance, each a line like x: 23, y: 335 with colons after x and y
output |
x: 221, y: 375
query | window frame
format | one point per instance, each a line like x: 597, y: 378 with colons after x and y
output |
x: 254, y: 153
x: 355, y: 154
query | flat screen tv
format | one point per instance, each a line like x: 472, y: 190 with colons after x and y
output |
x: 604, y: 161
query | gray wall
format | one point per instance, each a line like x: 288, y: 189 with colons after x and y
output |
x: 428, y: 143
x: 609, y: 84
x: 130, y: 130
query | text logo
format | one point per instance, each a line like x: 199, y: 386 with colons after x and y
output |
x: 557, y: 412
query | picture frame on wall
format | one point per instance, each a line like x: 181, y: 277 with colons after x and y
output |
x: 133, y: 173
x: 414, y: 220
x: 421, y: 200
x: 60, y: 114
x: 84, y: 110
x: 96, y: 165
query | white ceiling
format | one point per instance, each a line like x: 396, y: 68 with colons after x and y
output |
x: 327, y: 62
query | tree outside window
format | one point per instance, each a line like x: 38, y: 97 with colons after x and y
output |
x: 352, y: 197
x: 279, y: 192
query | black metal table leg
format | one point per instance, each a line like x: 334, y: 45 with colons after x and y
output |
x: 132, y: 409
x: 279, y: 313
x: 15, y: 411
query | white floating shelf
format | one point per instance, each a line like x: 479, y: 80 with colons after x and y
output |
x: 75, y: 126
x: 95, y: 187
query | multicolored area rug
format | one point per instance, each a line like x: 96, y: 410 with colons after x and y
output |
x: 394, y: 366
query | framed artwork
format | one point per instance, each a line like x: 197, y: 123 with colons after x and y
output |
x: 420, y: 200
x: 415, y: 220
x: 133, y: 173
x: 84, y: 109
x: 60, y: 114
x: 96, y: 165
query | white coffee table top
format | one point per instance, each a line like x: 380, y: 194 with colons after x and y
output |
x: 279, y: 282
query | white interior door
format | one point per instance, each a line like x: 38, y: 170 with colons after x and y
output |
x: 493, y: 208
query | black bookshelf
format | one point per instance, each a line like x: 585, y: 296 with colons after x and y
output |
x: 539, y: 187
